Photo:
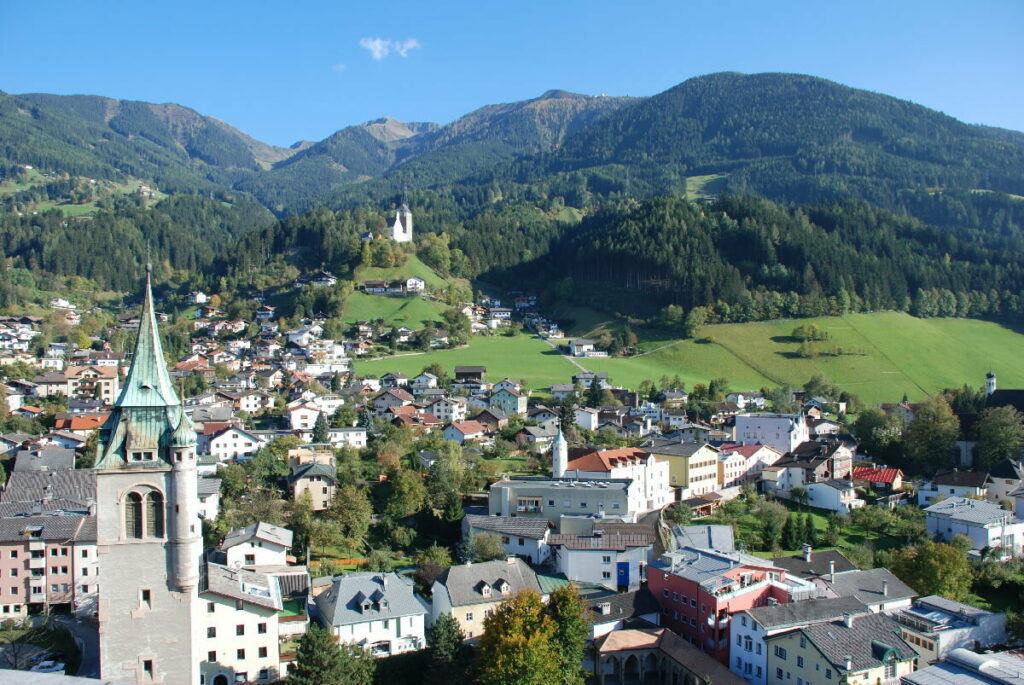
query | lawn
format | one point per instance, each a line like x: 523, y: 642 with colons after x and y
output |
x: 523, y: 357
x: 885, y: 355
x: 412, y: 267
x: 408, y: 310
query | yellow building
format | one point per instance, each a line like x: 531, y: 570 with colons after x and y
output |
x: 471, y: 592
x: 855, y: 649
x: 693, y: 466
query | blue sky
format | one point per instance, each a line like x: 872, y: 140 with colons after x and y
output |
x: 297, y: 69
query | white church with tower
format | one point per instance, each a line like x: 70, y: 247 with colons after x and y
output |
x: 401, y: 230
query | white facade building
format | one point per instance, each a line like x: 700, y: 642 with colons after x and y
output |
x: 378, y: 611
x: 258, y: 544
x: 781, y: 432
x: 985, y: 523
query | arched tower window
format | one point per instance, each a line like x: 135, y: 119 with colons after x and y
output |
x: 133, y: 515
x: 154, y: 515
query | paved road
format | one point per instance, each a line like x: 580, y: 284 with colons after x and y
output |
x: 87, y: 634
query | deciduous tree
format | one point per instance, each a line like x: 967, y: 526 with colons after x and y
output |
x: 518, y: 646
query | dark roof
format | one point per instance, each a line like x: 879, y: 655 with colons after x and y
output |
x: 866, y: 641
x: 621, y: 606
x: 312, y: 469
x: 465, y: 582
x: 968, y: 479
x: 1007, y: 468
x: 53, y: 528
x: 618, y: 543
x: 793, y: 614
x: 67, y: 490
x: 510, y: 525
x: 470, y: 369
x: 45, y: 459
x: 817, y: 566
x: 1002, y: 398
x: 388, y: 594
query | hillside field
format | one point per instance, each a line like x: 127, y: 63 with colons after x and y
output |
x: 412, y: 267
x: 408, y: 310
x: 885, y: 355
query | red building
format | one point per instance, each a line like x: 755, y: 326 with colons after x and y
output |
x: 699, y: 590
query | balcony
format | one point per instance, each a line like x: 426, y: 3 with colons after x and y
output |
x: 720, y: 624
x: 528, y: 509
x: 39, y: 562
x: 34, y: 545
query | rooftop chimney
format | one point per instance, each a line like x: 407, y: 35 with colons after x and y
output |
x: 885, y: 588
x: 848, y: 663
x: 831, y: 571
x: 848, y: 619
x: 807, y: 553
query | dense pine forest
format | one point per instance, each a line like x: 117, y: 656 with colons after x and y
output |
x: 744, y: 196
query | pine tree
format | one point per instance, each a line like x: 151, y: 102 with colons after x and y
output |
x: 447, y: 653
x: 321, y: 662
x: 321, y: 431
x: 790, y: 534
x: 810, y: 532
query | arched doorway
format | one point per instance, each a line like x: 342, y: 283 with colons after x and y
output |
x: 631, y: 669
x: 221, y: 679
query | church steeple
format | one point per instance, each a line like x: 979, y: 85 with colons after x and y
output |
x: 148, y: 417
x: 148, y: 383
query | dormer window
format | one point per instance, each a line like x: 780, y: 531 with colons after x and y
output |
x: 366, y: 606
x: 143, y: 455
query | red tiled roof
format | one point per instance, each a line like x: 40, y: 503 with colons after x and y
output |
x: 469, y: 427
x: 606, y: 460
x: 81, y: 423
x: 876, y: 475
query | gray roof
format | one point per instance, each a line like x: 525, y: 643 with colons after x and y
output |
x: 621, y: 606
x: 50, y: 528
x: 867, y: 641
x: 517, y: 526
x: 866, y: 586
x: 794, y: 614
x: 969, y: 479
x: 208, y: 486
x: 17, y: 438
x: 673, y: 448
x: 465, y: 583
x: 69, y: 490
x: 619, y: 543
x: 44, y: 459
x: 541, y: 431
x: 821, y: 563
x: 249, y: 586
x: 718, y: 538
x: 950, y: 606
x: 964, y: 667
x: 705, y: 567
x: 258, y: 531
x: 361, y: 597
x: 970, y: 510
x: 312, y: 469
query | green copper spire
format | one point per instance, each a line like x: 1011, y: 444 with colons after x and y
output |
x: 148, y: 384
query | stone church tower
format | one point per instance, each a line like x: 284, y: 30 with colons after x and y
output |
x: 401, y: 230
x: 148, y: 527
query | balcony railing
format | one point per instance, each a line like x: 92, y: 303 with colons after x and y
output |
x: 528, y: 509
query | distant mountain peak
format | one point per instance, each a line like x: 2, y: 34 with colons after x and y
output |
x: 558, y: 94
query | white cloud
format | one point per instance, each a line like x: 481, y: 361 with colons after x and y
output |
x: 382, y: 47
x: 339, y: 67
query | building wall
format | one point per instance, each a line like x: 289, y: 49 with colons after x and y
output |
x: 1009, y: 535
x: 401, y: 634
x: 556, y: 501
x: 600, y: 566
x: 259, y: 628
x: 262, y: 553
x: 130, y: 631
x: 781, y: 432
x: 320, y: 489
x: 815, y: 668
x: 14, y: 574
x: 470, y: 618
x: 748, y: 657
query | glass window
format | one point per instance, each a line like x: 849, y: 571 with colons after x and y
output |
x: 133, y: 515
x: 155, y: 515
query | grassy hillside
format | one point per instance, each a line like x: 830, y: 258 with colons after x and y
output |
x: 522, y: 357
x: 885, y: 355
x: 412, y: 267
x: 412, y: 310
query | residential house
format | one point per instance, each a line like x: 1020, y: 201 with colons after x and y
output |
x: 748, y: 653
x: 781, y: 432
x: 935, y: 626
x: 580, y: 347
x: 987, y: 524
x: 232, y: 442
x: 810, y: 462
x: 1004, y: 478
x: 392, y: 397
x: 539, y: 438
x: 615, y: 559
x: 464, y: 431
x: 241, y: 642
x: 883, y: 479
x: 379, y: 612
x: 853, y: 649
x: 587, y: 418
x: 492, y: 419
x: 611, y: 611
x: 316, y: 476
x: 877, y: 588
x: 693, y: 467
x: 522, y: 537
x: 258, y: 544
x: 953, y: 483
x: 471, y: 592
x: 448, y: 409
x: 209, y: 497
x: 470, y: 374
x: 754, y: 458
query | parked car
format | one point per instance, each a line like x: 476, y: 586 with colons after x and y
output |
x: 48, y: 667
